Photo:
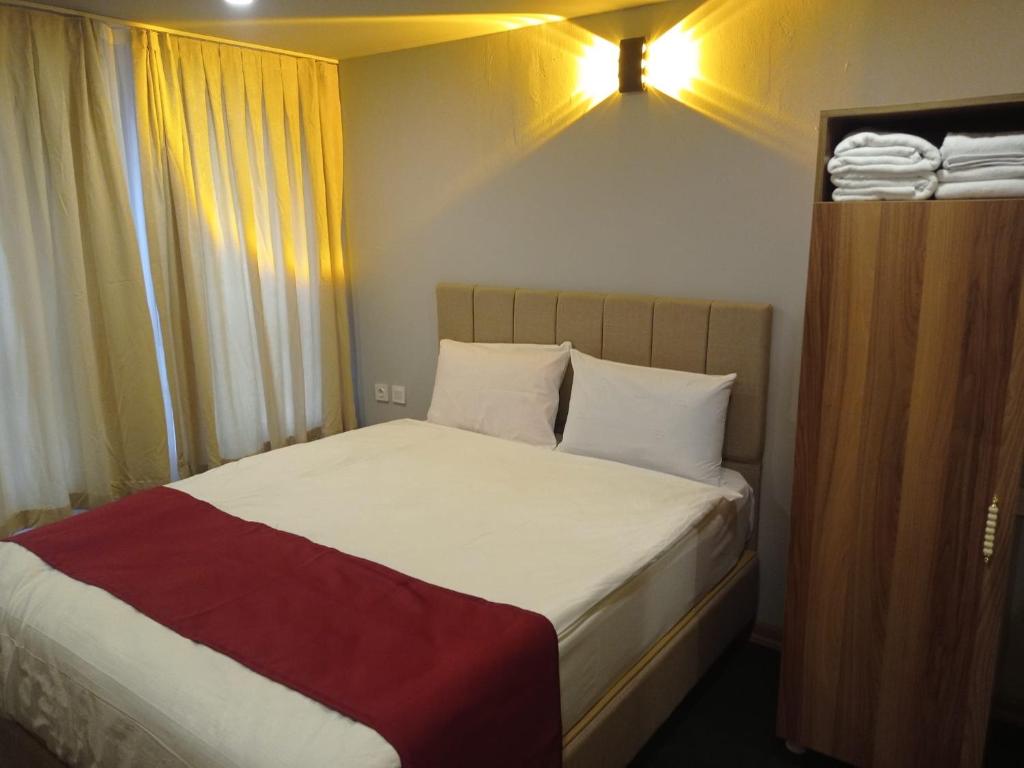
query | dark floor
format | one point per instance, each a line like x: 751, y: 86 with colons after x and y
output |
x: 728, y: 721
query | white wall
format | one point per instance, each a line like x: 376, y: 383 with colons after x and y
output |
x: 464, y: 163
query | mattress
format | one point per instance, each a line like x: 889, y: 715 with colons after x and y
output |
x: 612, y: 555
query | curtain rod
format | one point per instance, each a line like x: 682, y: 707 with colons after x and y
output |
x: 114, y: 22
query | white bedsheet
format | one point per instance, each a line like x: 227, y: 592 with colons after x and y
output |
x: 571, y: 537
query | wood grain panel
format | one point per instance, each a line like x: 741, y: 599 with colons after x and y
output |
x: 999, y: 226
x: 827, y: 621
x: 938, y: 627
x: 911, y: 415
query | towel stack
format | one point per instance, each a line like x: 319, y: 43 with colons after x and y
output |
x: 883, y: 166
x: 982, y: 165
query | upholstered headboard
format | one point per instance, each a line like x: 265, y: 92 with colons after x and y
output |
x: 684, y: 334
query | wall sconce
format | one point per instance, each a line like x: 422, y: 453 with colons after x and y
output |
x: 633, y: 65
x: 669, y: 63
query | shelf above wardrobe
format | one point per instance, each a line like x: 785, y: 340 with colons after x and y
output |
x: 930, y: 120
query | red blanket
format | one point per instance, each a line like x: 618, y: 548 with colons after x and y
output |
x: 448, y: 679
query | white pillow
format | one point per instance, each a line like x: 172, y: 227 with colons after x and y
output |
x: 670, y: 421
x: 505, y: 390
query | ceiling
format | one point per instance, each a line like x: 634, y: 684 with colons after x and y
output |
x: 347, y: 28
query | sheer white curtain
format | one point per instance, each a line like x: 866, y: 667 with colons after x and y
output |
x: 229, y: 161
x: 81, y: 413
x: 240, y: 156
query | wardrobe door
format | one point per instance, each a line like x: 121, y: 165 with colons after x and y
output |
x: 964, y: 448
x: 860, y: 336
x: 911, y: 419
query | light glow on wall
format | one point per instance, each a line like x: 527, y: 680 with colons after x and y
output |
x: 729, y: 84
x: 673, y: 62
x: 598, y: 74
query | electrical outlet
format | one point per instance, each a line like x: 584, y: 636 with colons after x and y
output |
x: 398, y: 394
x: 380, y: 393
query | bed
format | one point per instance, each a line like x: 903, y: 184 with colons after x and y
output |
x: 645, y: 577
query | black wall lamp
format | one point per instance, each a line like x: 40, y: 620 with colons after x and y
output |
x: 633, y: 65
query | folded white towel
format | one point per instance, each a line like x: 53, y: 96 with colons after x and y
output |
x: 987, y: 173
x: 963, y: 162
x: 886, y: 191
x: 878, y: 177
x: 883, y: 166
x: 991, y: 188
x: 874, y: 151
x: 983, y: 144
x: 888, y: 164
x: 843, y: 166
x: 919, y: 187
x: 881, y: 193
x: 982, y: 150
x: 883, y: 140
x: 878, y: 158
x: 892, y: 146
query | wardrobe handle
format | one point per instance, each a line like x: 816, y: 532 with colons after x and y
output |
x: 989, y: 544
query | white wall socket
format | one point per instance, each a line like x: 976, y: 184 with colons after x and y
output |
x: 398, y: 394
x: 380, y: 393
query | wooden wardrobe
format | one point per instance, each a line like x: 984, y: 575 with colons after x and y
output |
x: 910, y: 446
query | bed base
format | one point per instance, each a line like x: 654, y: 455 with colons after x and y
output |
x: 623, y: 720
x: 21, y: 749
x: 626, y: 717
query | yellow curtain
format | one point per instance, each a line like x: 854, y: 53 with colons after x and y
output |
x: 240, y: 153
x: 81, y: 413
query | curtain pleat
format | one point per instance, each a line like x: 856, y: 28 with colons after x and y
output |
x: 241, y: 168
x: 336, y: 339
x: 166, y: 172
x: 233, y: 137
x: 81, y: 420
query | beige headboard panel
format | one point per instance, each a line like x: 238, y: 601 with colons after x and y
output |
x: 682, y: 334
